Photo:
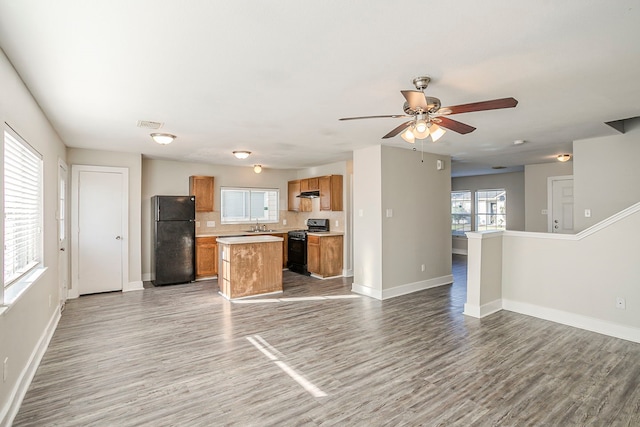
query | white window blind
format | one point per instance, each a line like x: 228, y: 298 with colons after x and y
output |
x: 22, y: 208
x: 240, y: 205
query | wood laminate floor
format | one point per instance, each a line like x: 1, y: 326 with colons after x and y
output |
x: 184, y: 356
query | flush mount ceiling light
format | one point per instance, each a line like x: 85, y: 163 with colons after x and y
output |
x: 257, y: 168
x: 241, y: 154
x: 163, y: 138
x: 564, y: 157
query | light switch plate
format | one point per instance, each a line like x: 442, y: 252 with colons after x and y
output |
x: 587, y: 213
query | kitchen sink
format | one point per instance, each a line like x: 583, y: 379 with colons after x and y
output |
x: 261, y: 231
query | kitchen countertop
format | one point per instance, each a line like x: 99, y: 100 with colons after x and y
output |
x: 238, y: 240
x: 325, y: 233
x: 261, y: 233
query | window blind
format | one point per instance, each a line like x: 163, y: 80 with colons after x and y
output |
x: 22, y: 208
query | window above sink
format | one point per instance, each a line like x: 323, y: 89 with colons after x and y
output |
x: 240, y: 205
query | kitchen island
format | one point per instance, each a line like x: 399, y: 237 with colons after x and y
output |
x: 250, y: 265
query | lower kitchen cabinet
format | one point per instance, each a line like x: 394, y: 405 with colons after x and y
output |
x: 324, y: 255
x: 206, y: 257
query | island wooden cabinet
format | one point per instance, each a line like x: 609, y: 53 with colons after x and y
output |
x: 202, y: 188
x: 330, y: 192
x: 324, y: 255
x: 206, y: 257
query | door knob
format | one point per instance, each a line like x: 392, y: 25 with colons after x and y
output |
x: 61, y: 249
x: 556, y: 221
x: 556, y: 227
x: 118, y: 237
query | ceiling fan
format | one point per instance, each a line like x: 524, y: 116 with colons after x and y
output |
x: 428, y: 117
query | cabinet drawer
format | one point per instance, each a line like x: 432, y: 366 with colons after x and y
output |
x: 313, y: 240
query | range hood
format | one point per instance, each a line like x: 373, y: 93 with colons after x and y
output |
x: 309, y: 194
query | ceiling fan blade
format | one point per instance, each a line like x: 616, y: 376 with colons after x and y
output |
x: 393, y: 116
x: 416, y: 100
x: 454, y: 125
x: 398, y: 130
x: 494, y: 104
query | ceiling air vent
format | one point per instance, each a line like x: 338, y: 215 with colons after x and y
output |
x: 149, y: 125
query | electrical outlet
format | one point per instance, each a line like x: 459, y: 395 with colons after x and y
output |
x: 211, y: 223
x: 337, y: 223
x: 587, y: 213
x: 422, y: 267
x: 5, y: 369
x: 621, y: 303
x: 198, y: 224
x: 284, y: 222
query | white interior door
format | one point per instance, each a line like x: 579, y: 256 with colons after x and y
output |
x: 99, y: 229
x: 561, y: 218
x: 61, y: 216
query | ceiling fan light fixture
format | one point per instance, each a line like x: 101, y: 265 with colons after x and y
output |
x: 241, y: 154
x: 564, y: 157
x: 421, y: 129
x: 163, y: 138
x: 408, y: 135
x: 436, y: 132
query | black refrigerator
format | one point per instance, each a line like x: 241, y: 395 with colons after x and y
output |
x: 173, y: 257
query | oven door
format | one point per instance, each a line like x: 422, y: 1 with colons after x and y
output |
x: 298, y: 251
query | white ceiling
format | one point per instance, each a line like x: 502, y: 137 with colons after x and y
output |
x: 274, y: 77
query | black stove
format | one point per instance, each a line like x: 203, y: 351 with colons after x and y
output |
x: 297, y: 242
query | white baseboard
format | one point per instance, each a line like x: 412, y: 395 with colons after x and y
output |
x: 146, y: 277
x: 9, y: 412
x: 459, y: 251
x: 576, y: 320
x: 347, y: 272
x: 483, y: 310
x: 366, y: 291
x: 410, y: 288
x: 133, y: 286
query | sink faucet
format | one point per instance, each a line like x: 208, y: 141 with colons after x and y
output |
x: 257, y: 226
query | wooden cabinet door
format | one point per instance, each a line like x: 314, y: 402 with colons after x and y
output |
x: 202, y: 188
x: 293, y: 192
x: 304, y: 185
x: 330, y: 192
x: 313, y: 254
x: 206, y: 256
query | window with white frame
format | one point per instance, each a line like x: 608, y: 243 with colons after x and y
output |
x: 249, y: 205
x: 491, y: 210
x: 22, y: 208
x: 460, y: 212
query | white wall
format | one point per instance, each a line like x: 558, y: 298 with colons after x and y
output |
x: 606, y: 175
x: 389, y: 251
x: 575, y: 279
x: 133, y: 162
x: 367, y: 221
x: 26, y: 326
x: 535, y: 192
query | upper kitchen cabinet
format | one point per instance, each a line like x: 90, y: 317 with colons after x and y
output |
x: 296, y: 203
x: 309, y: 184
x: 330, y: 192
x: 293, y: 192
x: 202, y: 188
